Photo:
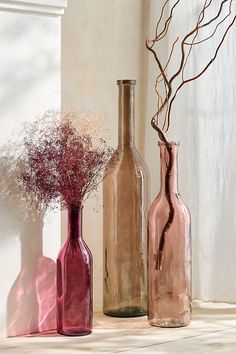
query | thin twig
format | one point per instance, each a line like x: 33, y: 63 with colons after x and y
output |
x: 217, y: 26
x: 167, y: 24
x: 200, y: 19
x: 203, y: 70
x: 161, y: 16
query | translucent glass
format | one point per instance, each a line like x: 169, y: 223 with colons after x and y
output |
x: 169, y: 250
x: 125, y: 196
x: 74, y: 280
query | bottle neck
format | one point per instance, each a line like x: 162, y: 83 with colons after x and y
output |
x: 169, y: 168
x: 126, y: 113
x: 75, y: 220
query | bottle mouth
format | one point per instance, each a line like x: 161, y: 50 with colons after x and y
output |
x: 170, y: 143
x: 126, y: 82
x: 75, y: 207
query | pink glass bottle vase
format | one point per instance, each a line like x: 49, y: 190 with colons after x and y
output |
x: 74, y: 280
x: 169, y: 249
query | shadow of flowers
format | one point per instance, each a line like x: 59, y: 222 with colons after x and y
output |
x: 31, y: 303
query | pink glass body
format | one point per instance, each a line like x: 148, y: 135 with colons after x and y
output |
x: 74, y: 280
x: 169, y: 252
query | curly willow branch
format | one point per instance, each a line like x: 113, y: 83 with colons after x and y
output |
x: 165, y: 103
x: 166, y: 99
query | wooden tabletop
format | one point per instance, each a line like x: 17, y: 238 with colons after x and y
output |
x: 213, y: 330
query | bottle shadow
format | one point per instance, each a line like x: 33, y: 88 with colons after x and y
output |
x: 31, y: 301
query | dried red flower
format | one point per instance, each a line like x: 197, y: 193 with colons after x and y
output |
x: 59, y: 164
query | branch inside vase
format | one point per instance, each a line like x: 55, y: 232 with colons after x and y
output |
x: 160, y: 255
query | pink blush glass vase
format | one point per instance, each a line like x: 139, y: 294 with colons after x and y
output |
x: 74, y: 280
x: 169, y: 249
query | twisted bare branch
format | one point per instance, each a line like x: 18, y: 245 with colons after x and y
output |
x: 164, y: 104
x: 202, y: 71
x: 166, y: 99
x: 217, y: 26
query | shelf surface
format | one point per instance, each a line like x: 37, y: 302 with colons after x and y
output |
x: 212, y: 330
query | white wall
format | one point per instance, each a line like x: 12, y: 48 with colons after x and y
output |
x: 29, y: 85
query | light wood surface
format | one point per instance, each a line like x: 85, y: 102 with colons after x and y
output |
x: 213, y: 330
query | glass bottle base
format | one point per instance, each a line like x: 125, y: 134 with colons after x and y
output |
x: 168, y: 323
x: 127, y: 311
x: 74, y: 332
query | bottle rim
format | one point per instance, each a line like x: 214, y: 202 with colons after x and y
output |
x: 169, y: 143
x: 126, y: 82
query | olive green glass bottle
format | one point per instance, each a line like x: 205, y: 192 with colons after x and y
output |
x: 125, y: 199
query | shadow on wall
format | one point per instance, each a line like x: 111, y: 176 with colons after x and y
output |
x: 31, y: 303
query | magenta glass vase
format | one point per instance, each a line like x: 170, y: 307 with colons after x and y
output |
x: 169, y: 249
x: 74, y: 280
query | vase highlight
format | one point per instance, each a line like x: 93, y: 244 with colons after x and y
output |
x: 169, y: 249
x: 125, y: 197
x: 74, y: 280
